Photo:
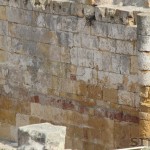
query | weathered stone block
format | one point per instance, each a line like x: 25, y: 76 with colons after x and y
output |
x: 110, y: 95
x: 143, y: 43
x: 107, y: 61
x: 124, y: 47
x: 144, y: 78
x: 42, y: 136
x: 106, y: 44
x: 122, y: 32
x: 134, y: 65
x: 144, y: 61
x: 126, y: 98
x: 77, y: 9
x: 99, y: 29
x: 3, y: 13
x: 3, y: 27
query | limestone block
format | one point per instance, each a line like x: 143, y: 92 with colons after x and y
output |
x: 88, y: 10
x: 144, y: 61
x: 144, y: 92
x: 77, y: 9
x: 110, y: 95
x: 84, y: 74
x: 107, y: 61
x: 122, y: 32
x: 98, y: 60
x: 143, y: 21
x: 85, y: 58
x: 144, y: 78
x: 100, y: 13
x: 89, y: 41
x: 3, y: 27
x: 41, y: 136
x: 39, y: 19
x: 106, y: 44
x: 5, y: 131
x: 70, y: 23
x: 134, y: 64
x: 77, y: 40
x: 83, y: 26
x: 124, y: 16
x: 116, y: 59
x: 74, y: 56
x: 124, y: 47
x: 4, y: 43
x: 99, y: 29
x: 115, y: 79
x: 3, y: 2
x: 14, y: 3
x: 65, y: 39
x: 126, y: 98
x: 19, y: 16
x: 22, y: 120
x: 26, y: 5
x: 125, y: 64
x: 3, y: 13
x: 56, y: 7
x: 143, y: 43
x: 65, y: 8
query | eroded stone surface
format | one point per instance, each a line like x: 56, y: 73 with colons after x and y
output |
x: 41, y: 136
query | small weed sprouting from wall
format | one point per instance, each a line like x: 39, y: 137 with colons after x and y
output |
x: 90, y: 20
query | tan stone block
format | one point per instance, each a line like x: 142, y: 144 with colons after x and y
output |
x: 130, y: 110
x: 110, y: 95
x: 78, y: 132
x: 68, y: 143
x: 78, y: 119
x: 3, y: 56
x: 134, y: 65
x: 34, y: 120
x: 22, y: 120
x: 107, y: 134
x: 23, y: 107
x: 88, y: 146
x: 121, y: 135
x: 82, y: 89
x: 5, y: 132
x: 126, y: 98
x: 144, y: 116
x: 77, y: 144
x: 6, y: 103
x: 43, y: 49
x: 144, y: 91
x: 134, y: 130
x: 95, y: 122
x: 3, y: 13
x: 144, y: 128
x: 7, y: 116
x: 145, y: 106
x: 93, y: 135
x: 94, y: 92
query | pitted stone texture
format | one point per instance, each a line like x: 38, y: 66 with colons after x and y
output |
x: 144, y: 61
x: 41, y: 136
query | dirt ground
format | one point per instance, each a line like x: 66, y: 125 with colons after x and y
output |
x: 5, y: 145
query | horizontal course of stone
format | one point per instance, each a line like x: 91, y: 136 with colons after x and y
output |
x: 71, y: 64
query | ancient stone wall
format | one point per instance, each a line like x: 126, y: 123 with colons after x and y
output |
x: 70, y: 64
